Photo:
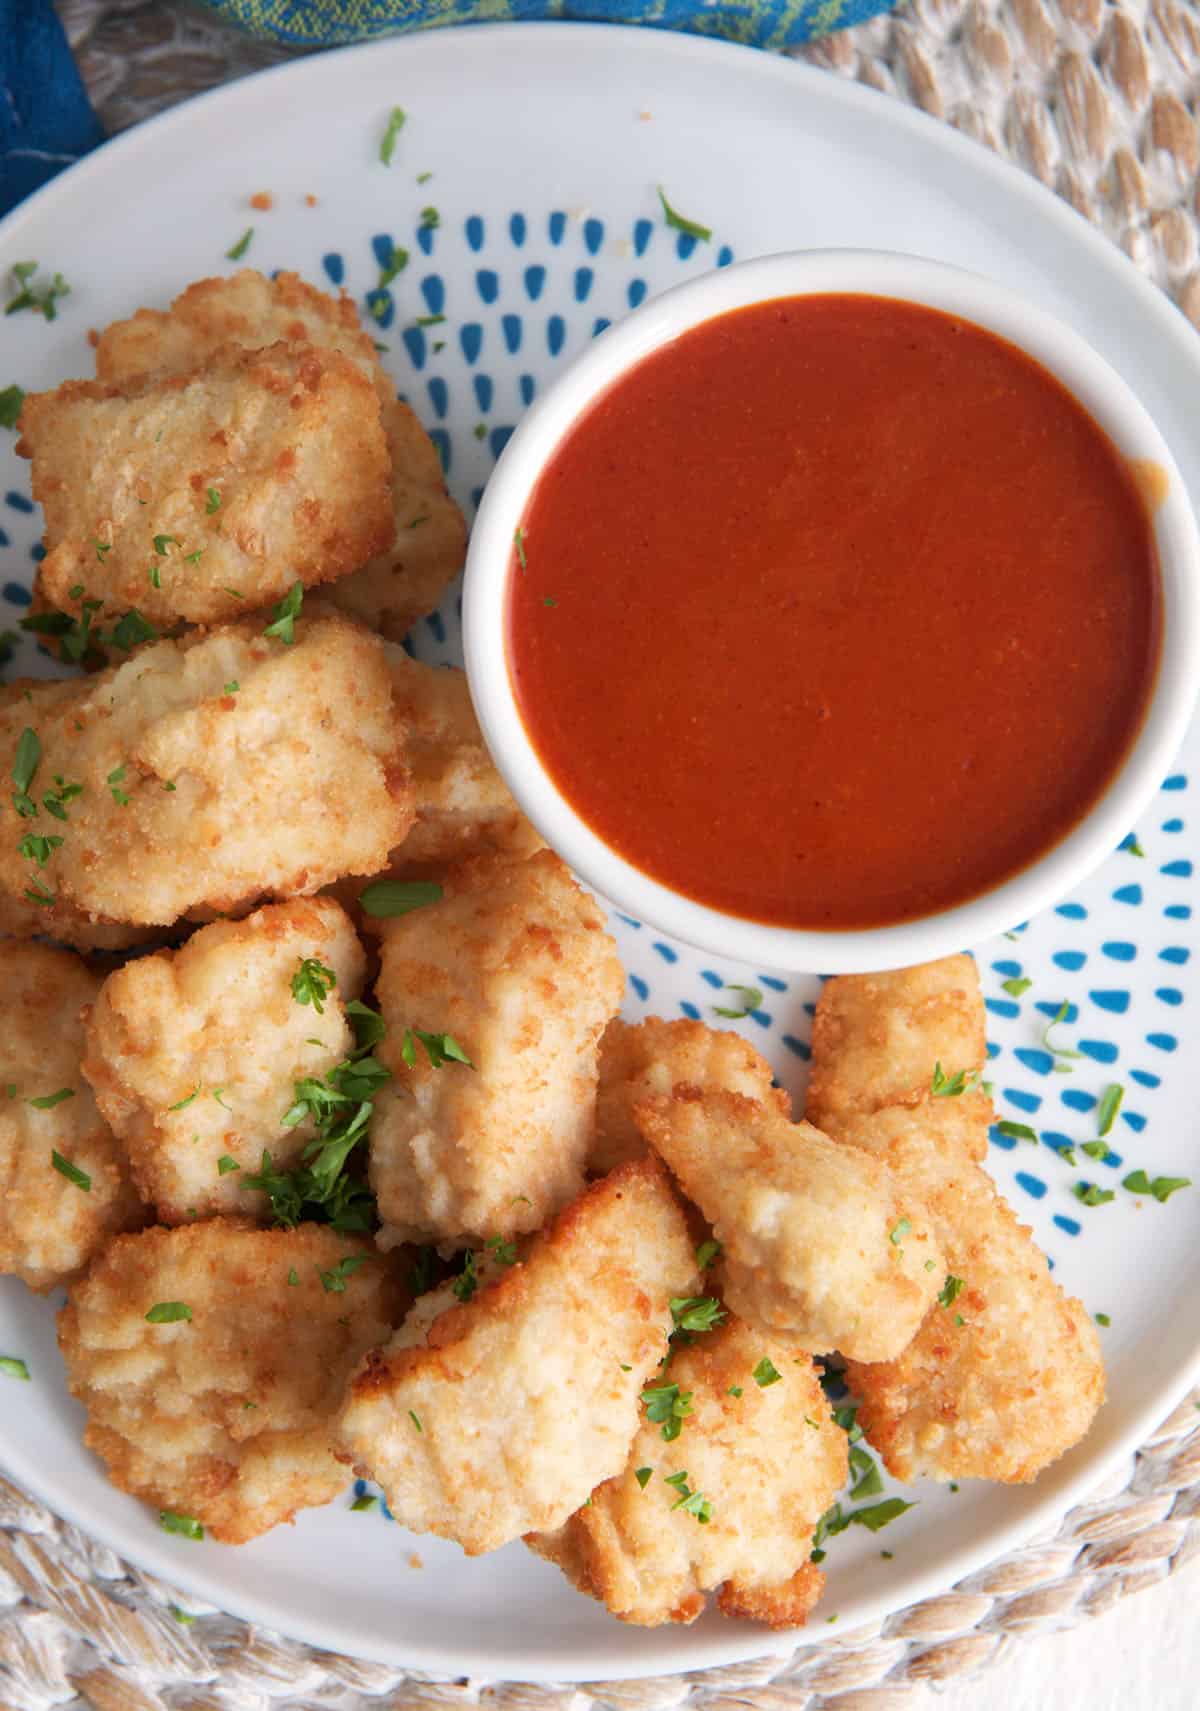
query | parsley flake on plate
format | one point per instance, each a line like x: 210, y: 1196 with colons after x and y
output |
x: 11, y: 400
x: 243, y: 244
x: 363, y: 1503
x: 1088, y: 1194
x: 43, y: 299
x: 186, y: 1526
x: 169, y: 1313
x: 678, y: 223
x: 1110, y: 1104
x: 519, y: 544
x: 312, y: 983
x: 749, y: 999
x: 1016, y: 985
x: 1057, y: 1052
x: 13, y: 1367
x: 396, y: 121
x: 1161, y: 1187
x: 1016, y: 1131
x: 387, y: 898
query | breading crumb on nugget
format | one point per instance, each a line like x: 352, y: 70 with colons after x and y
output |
x: 206, y: 774
x: 497, y: 1417
x: 408, y: 576
x: 203, y: 496
x: 728, y: 1506
x: 53, y: 1216
x: 641, y: 1058
x: 219, y: 1405
x: 823, y: 1247
x: 194, y: 1054
x: 1005, y: 1374
x: 515, y: 967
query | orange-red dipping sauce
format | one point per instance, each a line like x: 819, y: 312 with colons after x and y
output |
x: 835, y: 612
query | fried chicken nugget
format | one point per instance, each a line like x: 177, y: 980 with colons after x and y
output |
x: 214, y: 771
x: 193, y: 1055
x: 823, y: 1246
x: 201, y: 496
x: 654, y: 1056
x: 406, y: 578
x: 1007, y: 1375
x: 729, y: 1506
x: 223, y: 1412
x: 497, y: 1417
x: 53, y: 1218
x: 515, y: 966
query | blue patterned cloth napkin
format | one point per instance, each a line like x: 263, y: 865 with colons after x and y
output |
x: 46, y: 121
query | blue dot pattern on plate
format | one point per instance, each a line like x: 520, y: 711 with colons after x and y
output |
x: 474, y: 325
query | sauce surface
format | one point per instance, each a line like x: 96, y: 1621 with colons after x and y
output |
x: 835, y: 612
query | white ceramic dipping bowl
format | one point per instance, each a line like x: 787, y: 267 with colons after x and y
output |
x: 910, y: 279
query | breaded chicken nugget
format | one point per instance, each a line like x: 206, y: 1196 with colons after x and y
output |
x: 203, y: 496
x: 729, y: 1505
x: 823, y: 1247
x: 1005, y: 1374
x: 205, y: 773
x: 247, y: 309
x: 53, y: 1216
x: 877, y: 1039
x: 515, y: 967
x: 497, y: 1417
x: 211, y: 1360
x: 194, y: 1054
x: 642, y: 1058
x: 407, y: 578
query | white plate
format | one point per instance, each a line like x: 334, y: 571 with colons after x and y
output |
x: 545, y: 143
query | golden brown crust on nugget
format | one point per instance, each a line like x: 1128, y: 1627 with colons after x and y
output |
x: 225, y: 1417
x: 768, y: 1460
x: 50, y: 1226
x: 526, y: 1395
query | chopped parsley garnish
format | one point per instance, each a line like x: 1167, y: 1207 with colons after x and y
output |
x: 945, y: 1086
x: 194, y: 558
x: 691, y: 1502
x: 397, y: 261
x: 333, y: 1281
x: 1016, y: 986
x: 29, y: 296
x: 369, y: 1026
x: 131, y: 631
x: 951, y: 1290
x: 874, y: 1516
x: 293, y: 1278
x: 11, y: 400
x: 643, y: 1475
x: 72, y: 1172
x: 1016, y: 1131
x: 1090, y: 1195
x: 765, y: 1373
x: 735, y: 1390
x: 184, y: 1103
x: 519, y: 544
x: 312, y: 983
x: 1110, y: 1104
x: 430, y: 320
x: 232, y: 687
x: 696, y: 1312
x: 162, y: 544
x: 54, y: 801
x: 1102, y: 1319
x: 430, y: 219
x: 183, y: 1616
x: 1133, y: 846
x: 898, y: 1233
x: 169, y: 1313
x: 1057, y: 1052
x: 103, y: 548
x: 212, y: 501
x: 284, y: 616
x: 416, y: 1421
x: 547, y: 601
x: 480, y: 430
x: 503, y: 1252
x: 12, y: 1367
x: 667, y: 1406
x: 28, y: 759
x: 363, y: 1503
x: 749, y: 999
x: 393, y: 128
x: 1161, y: 1187
x: 37, y: 894
x: 440, y: 1049
x: 867, y: 1479
x: 185, y: 1525
x: 49, y: 1100
x: 38, y: 849
x: 677, y: 222
x: 387, y: 898
x: 243, y: 244
x: 114, y: 784
x: 1096, y: 1149
x: 706, y: 1253
x: 467, y: 1281
x: 881, y: 1514
x: 225, y: 1165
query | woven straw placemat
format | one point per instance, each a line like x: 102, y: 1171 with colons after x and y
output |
x: 1099, y: 101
